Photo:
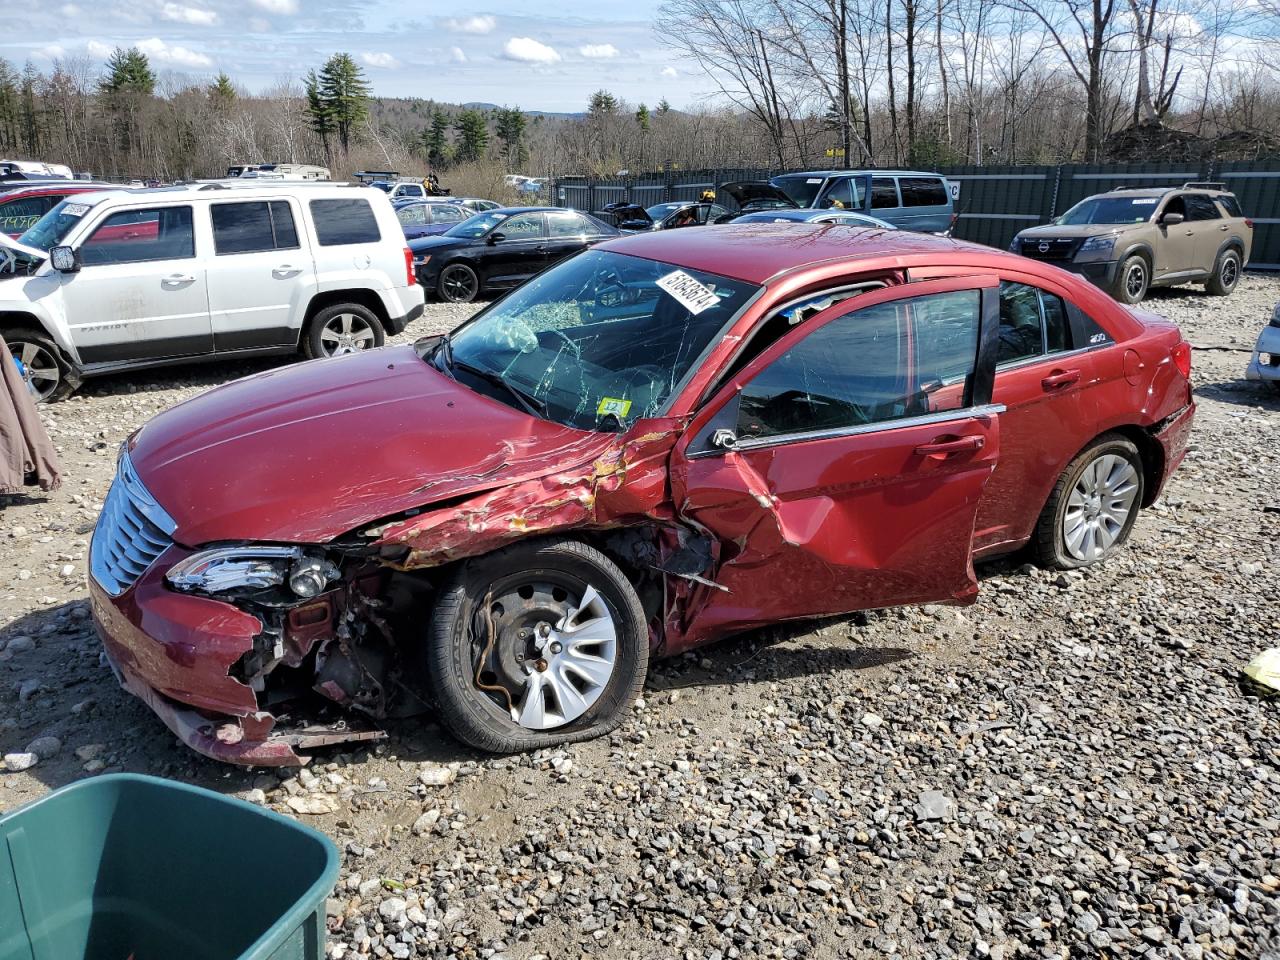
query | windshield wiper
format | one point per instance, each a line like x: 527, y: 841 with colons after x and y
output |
x: 531, y: 404
x: 444, y: 349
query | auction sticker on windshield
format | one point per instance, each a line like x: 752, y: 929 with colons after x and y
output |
x: 691, y: 294
x: 613, y: 405
x: 76, y: 209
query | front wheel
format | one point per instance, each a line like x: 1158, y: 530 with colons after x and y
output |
x: 1132, y: 280
x: 1226, y: 274
x: 458, y: 283
x: 40, y: 364
x: 538, y: 644
x: 1093, y: 506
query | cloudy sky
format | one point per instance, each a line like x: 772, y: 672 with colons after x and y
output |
x: 504, y: 51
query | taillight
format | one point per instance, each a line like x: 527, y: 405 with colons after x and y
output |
x: 1248, y: 223
x: 410, y: 277
x: 1182, y: 358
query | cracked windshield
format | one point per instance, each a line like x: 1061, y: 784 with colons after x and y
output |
x: 597, y: 342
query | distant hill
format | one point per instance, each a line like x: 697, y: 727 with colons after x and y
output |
x: 414, y: 113
x: 480, y: 105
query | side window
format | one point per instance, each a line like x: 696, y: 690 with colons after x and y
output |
x: 884, y: 193
x: 1175, y: 205
x: 21, y: 213
x: 410, y: 190
x: 861, y: 368
x: 445, y: 213
x: 344, y: 221
x: 1057, y: 326
x: 1032, y: 323
x: 845, y: 194
x: 566, y: 225
x: 922, y: 192
x: 252, y: 227
x: 1230, y: 204
x: 1201, y: 207
x: 411, y: 214
x: 137, y: 236
x: 523, y: 226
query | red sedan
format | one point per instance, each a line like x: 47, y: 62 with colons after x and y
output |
x: 664, y: 440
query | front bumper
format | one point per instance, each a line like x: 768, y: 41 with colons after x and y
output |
x: 1100, y: 273
x: 1268, y: 343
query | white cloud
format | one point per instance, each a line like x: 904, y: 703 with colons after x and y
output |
x: 482, y: 23
x: 456, y: 55
x: 69, y: 10
x: 52, y: 52
x: 598, y: 51
x: 383, y: 60
x: 172, y: 54
x: 281, y: 8
x: 529, y: 50
x: 192, y: 15
x: 259, y: 25
x: 669, y: 73
x: 100, y: 50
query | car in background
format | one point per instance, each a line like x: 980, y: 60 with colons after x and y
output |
x: 843, y: 217
x: 22, y: 207
x: 502, y: 248
x: 631, y: 217
x: 909, y: 199
x: 660, y: 442
x: 1264, y: 365
x: 125, y: 279
x: 474, y: 204
x: 421, y: 218
x: 402, y: 189
x: 1131, y: 239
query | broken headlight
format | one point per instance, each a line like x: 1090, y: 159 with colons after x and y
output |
x: 223, y: 569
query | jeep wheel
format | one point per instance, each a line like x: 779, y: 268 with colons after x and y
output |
x: 538, y: 644
x: 341, y: 329
x: 1132, y: 280
x: 1226, y: 274
x: 40, y: 363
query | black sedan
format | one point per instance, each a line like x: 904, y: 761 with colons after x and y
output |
x: 502, y: 248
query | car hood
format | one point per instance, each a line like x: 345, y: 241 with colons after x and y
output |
x: 306, y: 453
x: 438, y: 244
x: 1053, y: 232
x: 746, y: 192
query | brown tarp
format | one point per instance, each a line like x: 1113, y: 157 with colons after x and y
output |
x: 27, y: 457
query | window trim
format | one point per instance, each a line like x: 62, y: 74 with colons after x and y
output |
x: 880, y: 426
x: 271, y: 222
x: 108, y: 214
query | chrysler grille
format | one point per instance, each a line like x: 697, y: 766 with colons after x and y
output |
x: 132, y: 531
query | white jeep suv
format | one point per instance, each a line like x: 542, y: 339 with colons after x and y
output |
x: 125, y: 279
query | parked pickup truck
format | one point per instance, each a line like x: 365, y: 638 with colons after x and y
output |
x: 117, y: 280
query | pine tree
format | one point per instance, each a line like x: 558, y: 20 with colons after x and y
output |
x: 128, y: 71
x: 318, y: 113
x: 510, y: 125
x: 435, y: 139
x: 663, y: 106
x: 473, y: 135
x: 9, y: 102
x: 602, y: 103
x: 222, y: 92
x: 642, y: 118
x: 344, y: 92
x: 30, y: 110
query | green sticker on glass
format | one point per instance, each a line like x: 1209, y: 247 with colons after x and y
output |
x: 612, y: 405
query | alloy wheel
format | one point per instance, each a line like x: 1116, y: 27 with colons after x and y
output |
x: 1135, y: 281
x: 1230, y: 272
x: 458, y: 284
x: 1099, y: 507
x: 549, y: 649
x: 40, y: 369
x: 347, y: 333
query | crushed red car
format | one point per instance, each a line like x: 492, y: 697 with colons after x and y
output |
x: 664, y: 440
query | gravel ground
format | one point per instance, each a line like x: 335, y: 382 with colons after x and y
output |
x: 1069, y: 767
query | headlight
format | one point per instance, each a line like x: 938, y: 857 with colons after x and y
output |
x: 1096, y: 248
x: 420, y: 259
x: 1015, y: 246
x: 256, y: 568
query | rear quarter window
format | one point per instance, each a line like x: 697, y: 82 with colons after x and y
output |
x: 922, y: 192
x: 884, y: 193
x: 1231, y: 205
x: 344, y: 221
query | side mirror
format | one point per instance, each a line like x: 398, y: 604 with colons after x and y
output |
x: 1172, y: 219
x: 495, y: 238
x: 64, y: 260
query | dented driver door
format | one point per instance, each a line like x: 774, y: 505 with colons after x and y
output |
x: 842, y: 468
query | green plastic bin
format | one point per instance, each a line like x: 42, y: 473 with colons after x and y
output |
x: 123, y: 866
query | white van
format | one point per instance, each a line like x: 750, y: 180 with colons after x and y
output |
x: 124, y: 279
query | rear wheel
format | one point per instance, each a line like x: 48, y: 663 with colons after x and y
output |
x: 539, y: 644
x: 1093, y: 506
x: 40, y: 363
x: 1226, y: 274
x: 1132, y: 280
x: 341, y: 329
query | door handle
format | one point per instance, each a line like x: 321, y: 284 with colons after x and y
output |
x: 1060, y: 378
x: 286, y: 269
x: 1224, y: 228
x: 945, y: 448
x: 176, y: 278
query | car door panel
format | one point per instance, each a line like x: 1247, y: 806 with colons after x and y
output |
x: 521, y: 253
x: 830, y: 521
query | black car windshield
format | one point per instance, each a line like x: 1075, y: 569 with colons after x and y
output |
x: 800, y: 189
x: 599, y: 340
x: 1109, y: 210
x: 475, y: 227
x: 49, y: 230
x: 660, y: 210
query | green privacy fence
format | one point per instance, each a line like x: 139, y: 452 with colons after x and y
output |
x: 995, y: 202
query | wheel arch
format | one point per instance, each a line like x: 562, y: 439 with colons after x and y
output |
x: 363, y: 296
x: 1143, y: 249
x: 1149, y: 451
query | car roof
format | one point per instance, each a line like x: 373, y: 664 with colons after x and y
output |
x: 213, y: 191
x: 63, y: 186
x: 1157, y: 192
x: 756, y: 252
x: 859, y: 173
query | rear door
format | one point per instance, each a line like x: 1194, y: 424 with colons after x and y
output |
x: 1209, y: 229
x: 926, y: 205
x: 259, y: 275
x: 141, y: 292
x: 567, y: 233
x: 884, y: 199
x: 842, y: 468
x: 519, y: 254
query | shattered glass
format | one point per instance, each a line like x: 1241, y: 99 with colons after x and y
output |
x: 596, y: 342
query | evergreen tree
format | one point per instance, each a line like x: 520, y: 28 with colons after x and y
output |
x: 30, y: 110
x: 663, y: 106
x: 344, y: 92
x: 128, y: 71
x: 435, y: 139
x: 602, y: 103
x: 318, y: 112
x: 9, y: 104
x: 642, y: 118
x: 510, y: 126
x: 222, y: 92
x: 473, y: 135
